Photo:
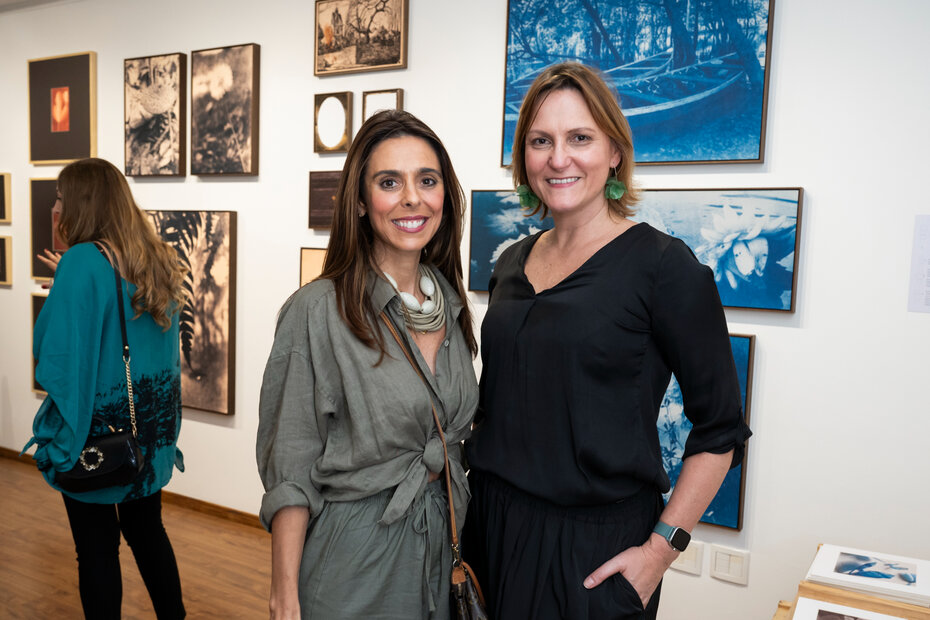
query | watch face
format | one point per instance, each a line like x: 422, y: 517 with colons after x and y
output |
x: 680, y: 539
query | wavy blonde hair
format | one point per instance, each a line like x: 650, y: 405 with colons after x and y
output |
x: 97, y: 205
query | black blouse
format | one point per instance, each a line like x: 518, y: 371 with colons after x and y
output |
x: 573, y: 377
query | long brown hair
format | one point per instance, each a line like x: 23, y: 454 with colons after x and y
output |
x: 606, y: 112
x: 349, y: 256
x: 97, y: 205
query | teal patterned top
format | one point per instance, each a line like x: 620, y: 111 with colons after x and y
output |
x: 78, y: 346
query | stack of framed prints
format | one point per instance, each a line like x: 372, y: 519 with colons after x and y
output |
x: 811, y: 609
x: 224, y: 110
x: 893, y: 577
x: 155, y: 115
x: 62, y: 108
x: 691, y: 78
x: 206, y: 244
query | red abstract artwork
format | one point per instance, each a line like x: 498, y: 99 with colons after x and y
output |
x: 61, y: 110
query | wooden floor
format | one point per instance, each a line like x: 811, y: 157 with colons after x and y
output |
x: 225, y: 566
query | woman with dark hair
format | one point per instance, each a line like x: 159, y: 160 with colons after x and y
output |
x: 347, y: 447
x: 585, y: 325
x: 77, y: 345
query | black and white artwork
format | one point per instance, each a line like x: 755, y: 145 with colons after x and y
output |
x: 749, y: 237
x: 155, y: 106
x: 206, y: 244
x: 497, y: 222
x: 224, y: 110
x: 691, y: 75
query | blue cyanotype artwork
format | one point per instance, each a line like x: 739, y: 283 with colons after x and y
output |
x: 876, y: 568
x: 749, y: 237
x: 726, y: 507
x: 497, y: 222
x: 691, y: 75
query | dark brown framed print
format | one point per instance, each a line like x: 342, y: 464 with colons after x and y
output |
x: 155, y: 115
x: 332, y: 122
x: 224, y: 110
x: 6, y: 261
x: 6, y: 207
x: 360, y: 35
x: 323, y: 187
x: 311, y: 263
x: 38, y: 300
x: 42, y: 196
x: 375, y: 100
x: 62, y: 108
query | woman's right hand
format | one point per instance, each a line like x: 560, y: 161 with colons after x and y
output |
x: 49, y: 259
x: 288, y: 532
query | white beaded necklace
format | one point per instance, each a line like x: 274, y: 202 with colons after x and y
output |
x: 429, y: 316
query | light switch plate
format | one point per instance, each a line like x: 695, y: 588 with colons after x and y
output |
x: 729, y: 564
x: 691, y: 560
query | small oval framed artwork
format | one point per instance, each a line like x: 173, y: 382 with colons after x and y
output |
x: 332, y: 122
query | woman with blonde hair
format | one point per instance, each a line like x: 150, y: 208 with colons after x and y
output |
x: 585, y: 325
x: 347, y: 448
x: 78, y: 345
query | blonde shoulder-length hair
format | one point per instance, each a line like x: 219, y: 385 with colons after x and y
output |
x: 97, y: 205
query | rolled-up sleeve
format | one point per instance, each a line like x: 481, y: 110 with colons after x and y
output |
x: 691, y: 331
x: 289, y: 436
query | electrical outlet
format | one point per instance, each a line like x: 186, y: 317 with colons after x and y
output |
x: 729, y: 564
x: 691, y: 560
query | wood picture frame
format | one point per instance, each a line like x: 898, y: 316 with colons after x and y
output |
x: 42, y: 196
x: 359, y: 35
x: 206, y: 244
x: 332, y: 122
x: 375, y: 100
x: 311, y: 263
x: 693, y: 84
x: 6, y: 197
x: 726, y: 509
x: 62, y: 108
x: 6, y: 261
x: 37, y: 301
x: 224, y: 110
x: 749, y: 237
x: 155, y: 115
x: 323, y: 186
x: 497, y: 222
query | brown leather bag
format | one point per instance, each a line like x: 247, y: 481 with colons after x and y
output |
x: 465, y: 594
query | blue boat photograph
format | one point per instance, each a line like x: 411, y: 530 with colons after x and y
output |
x: 748, y: 237
x: 691, y: 76
x: 497, y: 222
x: 726, y: 509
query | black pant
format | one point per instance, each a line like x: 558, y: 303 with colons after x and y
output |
x: 96, y: 530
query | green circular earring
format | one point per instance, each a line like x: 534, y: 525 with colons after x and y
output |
x: 614, y: 189
x: 528, y: 200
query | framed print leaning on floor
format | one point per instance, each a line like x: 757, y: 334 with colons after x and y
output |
x: 62, y: 108
x: 691, y: 77
x: 359, y: 35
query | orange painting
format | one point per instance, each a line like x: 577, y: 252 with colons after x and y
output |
x: 61, y: 110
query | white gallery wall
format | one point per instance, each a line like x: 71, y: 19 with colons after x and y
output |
x: 840, y: 407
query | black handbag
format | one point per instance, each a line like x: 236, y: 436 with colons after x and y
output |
x: 465, y: 595
x: 114, y: 458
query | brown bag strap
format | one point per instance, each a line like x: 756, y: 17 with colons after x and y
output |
x: 456, y: 553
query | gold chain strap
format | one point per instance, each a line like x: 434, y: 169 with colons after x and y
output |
x: 132, y: 404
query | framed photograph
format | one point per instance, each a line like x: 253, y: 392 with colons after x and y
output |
x: 375, y: 100
x: 360, y: 35
x: 323, y: 186
x: 224, y: 110
x: 42, y: 196
x: 810, y: 609
x: 62, y: 108
x: 6, y: 261
x: 155, y: 115
x: 726, y: 509
x: 894, y: 577
x: 311, y: 263
x: 497, y: 222
x: 6, y: 205
x: 38, y: 300
x: 749, y: 237
x: 692, y: 80
x: 332, y: 122
x: 206, y: 243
